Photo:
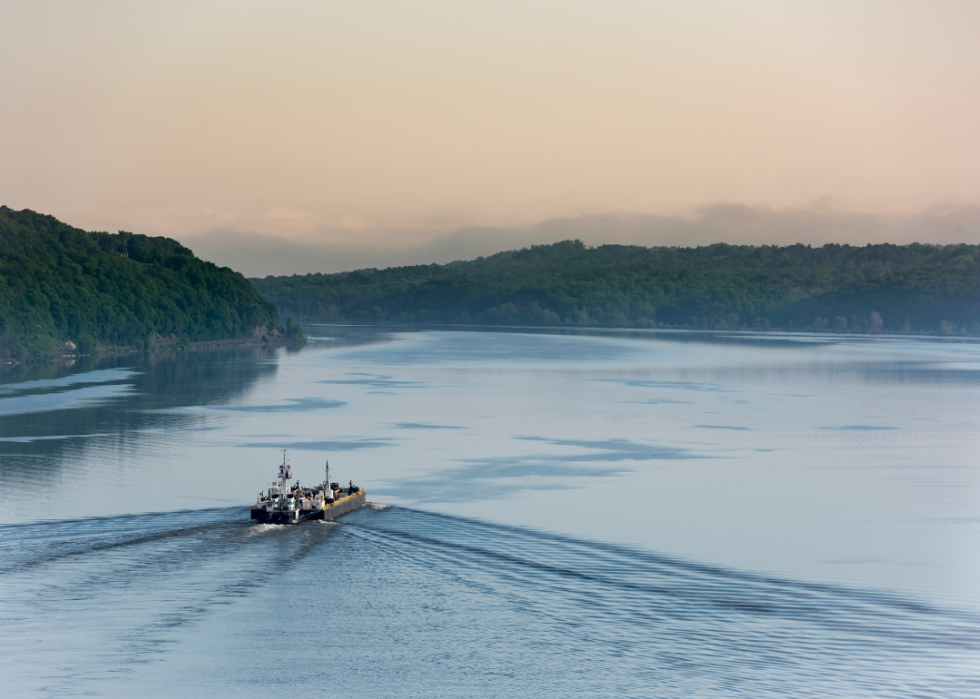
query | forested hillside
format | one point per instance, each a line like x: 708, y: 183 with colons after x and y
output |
x: 876, y: 288
x: 61, y: 284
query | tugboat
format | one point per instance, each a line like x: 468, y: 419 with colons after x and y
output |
x: 286, y: 504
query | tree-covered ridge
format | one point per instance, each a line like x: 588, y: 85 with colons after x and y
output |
x: 911, y: 288
x: 60, y: 284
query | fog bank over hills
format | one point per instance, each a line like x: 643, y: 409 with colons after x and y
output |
x: 258, y: 255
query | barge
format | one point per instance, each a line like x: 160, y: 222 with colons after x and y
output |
x: 283, y: 503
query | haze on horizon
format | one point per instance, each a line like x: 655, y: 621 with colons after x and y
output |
x: 316, y: 136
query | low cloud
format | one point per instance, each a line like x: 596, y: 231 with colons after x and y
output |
x: 256, y: 254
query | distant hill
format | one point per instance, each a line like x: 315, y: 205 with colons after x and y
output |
x: 59, y: 284
x: 877, y: 288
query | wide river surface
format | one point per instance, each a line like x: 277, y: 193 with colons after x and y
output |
x: 554, y: 514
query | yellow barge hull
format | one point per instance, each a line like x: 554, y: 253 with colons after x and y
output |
x: 330, y: 510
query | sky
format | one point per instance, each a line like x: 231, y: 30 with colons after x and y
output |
x: 317, y: 135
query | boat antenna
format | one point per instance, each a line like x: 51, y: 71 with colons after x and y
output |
x: 326, y: 485
x: 285, y: 473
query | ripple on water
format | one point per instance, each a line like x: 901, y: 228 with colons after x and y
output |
x: 408, y: 603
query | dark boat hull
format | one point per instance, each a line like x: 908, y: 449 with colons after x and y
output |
x: 332, y: 511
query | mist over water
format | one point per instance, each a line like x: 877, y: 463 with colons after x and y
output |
x: 649, y: 514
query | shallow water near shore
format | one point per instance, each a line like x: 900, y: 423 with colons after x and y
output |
x: 606, y: 513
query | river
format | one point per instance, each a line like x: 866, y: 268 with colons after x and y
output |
x: 597, y: 513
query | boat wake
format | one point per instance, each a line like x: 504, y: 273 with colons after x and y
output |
x: 443, y: 605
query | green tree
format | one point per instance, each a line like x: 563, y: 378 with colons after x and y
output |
x: 717, y: 286
x: 59, y: 283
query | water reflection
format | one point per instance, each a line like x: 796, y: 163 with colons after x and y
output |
x: 51, y: 414
x: 766, y: 452
x: 655, y: 513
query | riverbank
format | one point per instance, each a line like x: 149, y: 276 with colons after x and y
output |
x: 958, y: 333
x: 876, y: 289
x: 157, y: 344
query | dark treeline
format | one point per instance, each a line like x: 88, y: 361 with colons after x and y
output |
x: 877, y: 288
x: 59, y: 284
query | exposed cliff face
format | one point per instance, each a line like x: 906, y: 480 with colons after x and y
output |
x: 65, y: 290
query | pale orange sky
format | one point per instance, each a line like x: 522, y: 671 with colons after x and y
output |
x: 378, y: 121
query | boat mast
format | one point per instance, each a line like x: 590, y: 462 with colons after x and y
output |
x: 285, y: 474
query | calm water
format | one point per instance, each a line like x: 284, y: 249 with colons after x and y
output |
x: 649, y: 514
